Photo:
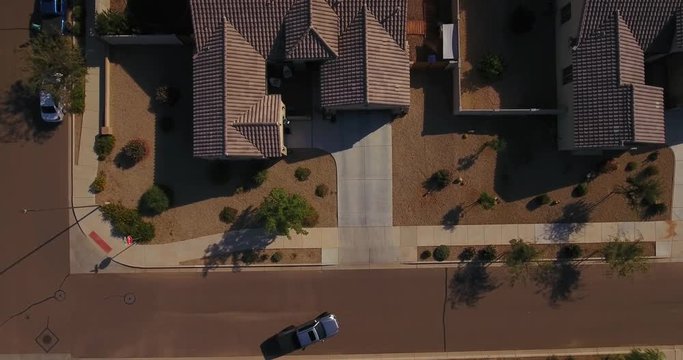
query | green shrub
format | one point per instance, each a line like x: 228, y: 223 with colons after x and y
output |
x: 166, y: 124
x: 276, y: 257
x: 467, y: 254
x: 425, y: 255
x: 99, y: 183
x: 648, y: 171
x: 154, y: 201
x: 77, y: 101
x: 645, y: 354
x: 281, y: 211
x: 127, y: 221
x: 136, y: 150
x: 168, y: 95
x: 632, y: 165
x: 249, y: 256
x: 543, y: 199
x: 491, y: 67
x: 608, y: 166
x: 104, y: 145
x: 486, y: 201
x: 487, y: 254
x: 520, y: 253
x: 522, y: 20
x: 439, y: 180
x: 580, y: 190
x: 570, y: 252
x: 260, y: 178
x: 653, y: 156
x: 322, y: 190
x: 110, y: 22
x: 302, y: 173
x: 441, y: 253
x: 219, y: 172
x: 228, y: 215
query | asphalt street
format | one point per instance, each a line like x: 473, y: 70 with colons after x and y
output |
x: 225, y: 313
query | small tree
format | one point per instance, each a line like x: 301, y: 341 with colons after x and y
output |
x: 228, y: 215
x: 648, y: 171
x: 104, y: 145
x: 467, y: 254
x: 281, y: 212
x: 624, y: 257
x: 99, y: 183
x: 520, y: 256
x: 491, y: 67
x: 487, y: 254
x: 486, y: 201
x: 302, y: 173
x: 154, y: 201
x: 136, y: 150
x: 127, y: 221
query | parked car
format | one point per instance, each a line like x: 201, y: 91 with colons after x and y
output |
x: 50, y: 110
x: 53, y: 15
x: 317, y: 330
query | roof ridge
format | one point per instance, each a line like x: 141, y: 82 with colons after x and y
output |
x: 325, y: 44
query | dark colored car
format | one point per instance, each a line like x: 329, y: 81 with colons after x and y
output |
x: 53, y: 14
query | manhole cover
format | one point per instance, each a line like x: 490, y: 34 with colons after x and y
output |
x: 60, y: 295
x: 47, y: 339
x: 129, y: 299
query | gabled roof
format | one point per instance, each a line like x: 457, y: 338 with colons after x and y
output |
x: 612, y: 104
x: 373, y: 68
x: 311, y: 31
x: 229, y: 87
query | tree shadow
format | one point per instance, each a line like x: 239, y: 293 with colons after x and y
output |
x: 236, y: 248
x: 20, y: 116
x: 123, y: 161
x: 466, y: 162
x: 470, y: 283
x: 558, y: 280
x: 452, y: 217
x: 573, y: 219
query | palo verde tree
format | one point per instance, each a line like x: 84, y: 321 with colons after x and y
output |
x: 624, y: 257
x: 519, y: 259
x: 281, y: 212
x: 55, y: 65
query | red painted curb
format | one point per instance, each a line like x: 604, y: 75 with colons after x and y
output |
x: 103, y: 244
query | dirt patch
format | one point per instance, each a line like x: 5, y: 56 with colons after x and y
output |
x: 546, y: 251
x: 289, y: 256
x: 528, y: 80
x: 197, y: 200
x: 431, y: 138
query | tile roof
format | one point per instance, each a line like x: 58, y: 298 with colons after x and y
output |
x: 612, y: 104
x: 679, y: 28
x: 362, y: 43
x: 372, y: 69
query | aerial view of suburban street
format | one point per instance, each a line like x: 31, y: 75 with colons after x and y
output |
x: 341, y: 179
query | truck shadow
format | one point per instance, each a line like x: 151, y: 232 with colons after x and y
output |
x: 271, y: 349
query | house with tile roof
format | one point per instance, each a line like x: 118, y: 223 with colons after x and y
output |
x: 604, y: 49
x: 360, y: 46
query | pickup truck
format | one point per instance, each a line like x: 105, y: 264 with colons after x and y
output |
x: 299, y: 337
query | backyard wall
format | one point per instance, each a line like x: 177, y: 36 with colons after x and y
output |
x: 165, y: 39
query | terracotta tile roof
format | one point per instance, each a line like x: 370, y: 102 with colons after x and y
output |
x: 679, y: 28
x: 612, y: 104
x: 372, y: 69
x: 311, y: 31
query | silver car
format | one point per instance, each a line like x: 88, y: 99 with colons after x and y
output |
x: 50, y: 110
x: 317, y: 330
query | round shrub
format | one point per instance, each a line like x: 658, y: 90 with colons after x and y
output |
x: 104, y: 145
x: 425, y: 255
x: 228, y: 215
x: 260, y: 177
x: 649, y: 171
x: 322, y: 190
x: 154, y: 201
x: 136, y: 150
x: 487, y: 254
x: 276, y: 257
x: 143, y: 231
x: 491, y: 67
x: 466, y: 254
x: 99, y: 183
x: 249, y: 256
x: 441, y: 253
x: 543, y: 199
x: 580, y: 190
x: 631, y: 166
x: 127, y: 221
x: 166, y: 124
x: 486, y: 201
x: 653, y: 156
x: 302, y: 173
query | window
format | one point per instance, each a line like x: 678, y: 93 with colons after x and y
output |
x: 567, y: 75
x: 566, y: 13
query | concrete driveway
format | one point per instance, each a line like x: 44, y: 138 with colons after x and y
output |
x: 360, y: 143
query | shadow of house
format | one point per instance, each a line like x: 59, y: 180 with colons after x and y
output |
x: 160, y: 16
